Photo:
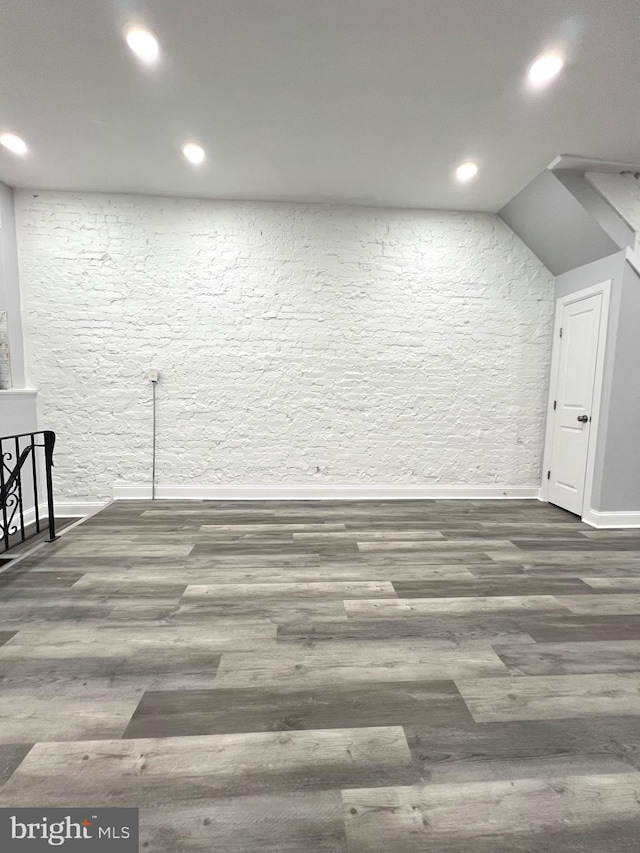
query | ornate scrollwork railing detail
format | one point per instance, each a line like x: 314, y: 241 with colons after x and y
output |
x: 13, y: 505
x: 11, y: 492
x: 25, y: 471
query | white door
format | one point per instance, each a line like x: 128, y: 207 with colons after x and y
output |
x: 580, y: 321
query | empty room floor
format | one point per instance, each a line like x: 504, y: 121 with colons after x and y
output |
x: 330, y: 676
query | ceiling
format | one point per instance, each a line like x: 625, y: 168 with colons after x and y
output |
x: 353, y: 101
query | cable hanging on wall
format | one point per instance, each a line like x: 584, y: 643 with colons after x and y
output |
x: 153, y: 376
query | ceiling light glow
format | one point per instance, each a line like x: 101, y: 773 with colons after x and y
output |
x: 144, y: 44
x: 13, y: 143
x: 466, y: 171
x: 544, y: 69
x: 193, y: 152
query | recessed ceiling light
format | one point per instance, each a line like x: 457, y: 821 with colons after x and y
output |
x: 13, y: 143
x: 466, y: 171
x: 193, y: 152
x: 144, y: 44
x: 544, y: 69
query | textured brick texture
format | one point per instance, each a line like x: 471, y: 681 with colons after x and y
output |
x: 297, y: 344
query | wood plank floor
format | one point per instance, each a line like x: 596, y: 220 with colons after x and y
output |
x: 326, y: 676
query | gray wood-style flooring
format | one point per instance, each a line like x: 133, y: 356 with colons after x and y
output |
x: 341, y: 677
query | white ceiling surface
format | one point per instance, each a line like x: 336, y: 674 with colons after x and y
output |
x: 355, y: 101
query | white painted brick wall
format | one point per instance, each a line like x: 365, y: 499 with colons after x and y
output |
x: 298, y: 344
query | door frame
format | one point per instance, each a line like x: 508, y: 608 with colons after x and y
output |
x: 603, y: 288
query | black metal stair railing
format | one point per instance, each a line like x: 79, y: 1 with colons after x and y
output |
x: 26, y: 463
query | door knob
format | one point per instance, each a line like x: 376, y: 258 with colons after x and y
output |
x: 583, y: 418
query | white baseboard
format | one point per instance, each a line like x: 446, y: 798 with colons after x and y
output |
x: 30, y: 515
x: 375, y: 493
x: 64, y: 509
x: 611, y: 519
x: 78, y: 509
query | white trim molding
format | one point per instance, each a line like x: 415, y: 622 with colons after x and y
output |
x: 63, y: 509
x: 310, y: 492
x: 30, y: 514
x: 78, y: 509
x: 611, y: 519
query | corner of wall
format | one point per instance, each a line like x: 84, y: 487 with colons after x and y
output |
x: 619, y: 460
x: 10, y: 296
